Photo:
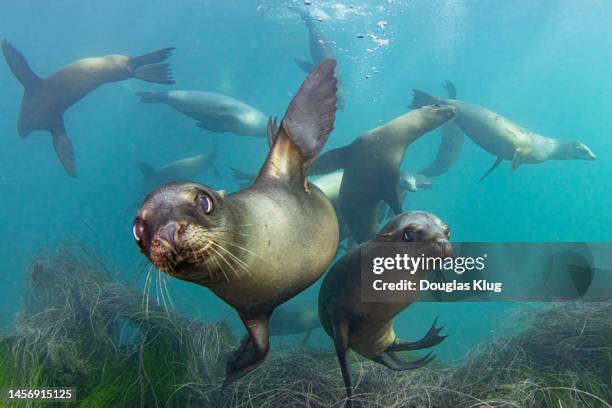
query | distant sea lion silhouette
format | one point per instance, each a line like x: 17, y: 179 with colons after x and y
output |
x: 505, y: 139
x: 261, y: 246
x: 215, y: 112
x: 46, y: 99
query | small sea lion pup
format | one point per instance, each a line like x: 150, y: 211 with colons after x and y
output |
x: 214, y: 112
x: 367, y: 327
x: 504, y: 139
x: 45, y: 99
x: 371, y: 166
x: 260, y: 246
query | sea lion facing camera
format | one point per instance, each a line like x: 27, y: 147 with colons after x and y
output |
x: 367, y: 327
x: 504, y: 139
x: 45, y: 99
x: 215, y: 112
x: 260, y: 246
x: 371, y: 166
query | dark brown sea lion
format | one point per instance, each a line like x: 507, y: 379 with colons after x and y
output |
x: 261, y: 246
x: 46, y: 99
x: 505, y: 139
x: 367, y: 327
x: 371, y: 166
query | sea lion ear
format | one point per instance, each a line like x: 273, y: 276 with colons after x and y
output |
x: 221, y: 193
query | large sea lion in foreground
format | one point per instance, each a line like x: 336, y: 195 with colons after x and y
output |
x: 320, y: 50
x: 372, y: 167
x: 450, y: 144
x: 46, y: 99
x: 184, y: 169
x: 504, y: 139
x: 215, y: 112
x: 260, y: 246
x: 367, y: 327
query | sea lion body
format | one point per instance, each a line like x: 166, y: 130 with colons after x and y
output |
x: 292, y: 319
x: 367, y: 327
x: 46, y: 99
x: 505, y: 139
x: 372, y: 167
x: 213, y: 111
x: 258, y: 247
x: 184, y: 169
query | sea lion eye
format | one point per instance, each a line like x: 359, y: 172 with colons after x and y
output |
x: 205, y: 203
x: 138, y: 230
x: 409, y: 235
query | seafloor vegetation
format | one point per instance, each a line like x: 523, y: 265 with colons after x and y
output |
x: 80, y: 327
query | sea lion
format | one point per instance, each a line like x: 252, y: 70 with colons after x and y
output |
x: 450, y: 144
x: 367, y: 327
x: 46, y: 99
x: 261, y: 246
x: 290, y: 319
x: 215, y: 112
x: 180, y: 170
x: 371, y: 166
x: 320, y: 50
x: 504, y: 139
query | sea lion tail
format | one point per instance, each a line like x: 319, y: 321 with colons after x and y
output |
x: 19, y: 66
x: 156, y: 73
x: 63, y: 148
x: 420, y: 99
x: 151, y: 97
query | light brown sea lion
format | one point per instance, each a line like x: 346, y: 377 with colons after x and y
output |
x: 260, y: 246
x: 505, y: 139
x: 367, y: 327
x: 371, y: 166
x: 46, y: 99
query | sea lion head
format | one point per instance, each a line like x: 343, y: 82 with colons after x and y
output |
x: 577, y: 151
x: 439, y: 112
x: 181, y: 228
x: 428, y: 232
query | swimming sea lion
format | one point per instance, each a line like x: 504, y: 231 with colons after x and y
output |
x: 505, y: 139
x: 367, y: 327
x: 215, y: 112
x: 45, y: 99
x: 450, y: 144
x: 290, y: 319
x: 180, y: 170
x: 320, y: 50
x: 372, y: 167
x: 260, y: 246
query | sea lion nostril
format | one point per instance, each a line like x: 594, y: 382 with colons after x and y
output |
x: 167, y: 233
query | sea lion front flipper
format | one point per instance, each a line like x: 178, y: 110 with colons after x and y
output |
x: 252, y: 350
x: 305, y: 66
x: 20, y: 67
x: 330, y: 161
x: 145, y: 168
x: 390, y: 193
x: 63, y: 148
x: 341, y: 344
x: 305, y: 127
x: 493, y: 167
x: 517, y: 160
x: 272, y: 131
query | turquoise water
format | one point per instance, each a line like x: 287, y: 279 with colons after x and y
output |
x: 545, y: 66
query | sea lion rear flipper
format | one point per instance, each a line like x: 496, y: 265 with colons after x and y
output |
x: 156, y: 73
x: 448, y: 150
x: 20, y: 67
x: 450, y: 89
x: 63, y: 149
x: 420, y: 99
x: 306, y: 126
x: 432, y: 338
x: 145, y: 168
x: 390, y: 193
x: 390, y: 361
x: 305, y: 66
x: 151, y: 58
x: 493, y: 167
x: 252, y: 350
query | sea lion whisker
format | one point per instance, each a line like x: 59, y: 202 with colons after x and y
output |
x: 238, y: 246
x: 232, y: 256
x: 165, y: 282
x: 238, y: 260
x: 220, y: 266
